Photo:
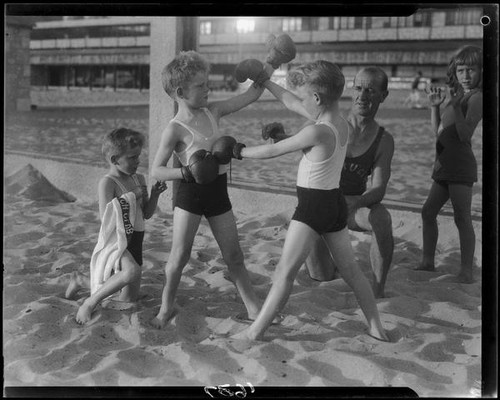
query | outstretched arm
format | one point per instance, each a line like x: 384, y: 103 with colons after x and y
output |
x: 288, y: 99
x: 306, y: 138
x: 236, y: 103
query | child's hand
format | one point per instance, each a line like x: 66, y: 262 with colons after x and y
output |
x: 436, y: 96
x: 158, y: 188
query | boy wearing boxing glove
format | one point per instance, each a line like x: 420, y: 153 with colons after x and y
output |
x: 202, y: 191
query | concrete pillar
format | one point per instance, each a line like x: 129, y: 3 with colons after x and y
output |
x: 169, y: 36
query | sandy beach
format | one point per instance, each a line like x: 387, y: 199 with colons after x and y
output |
x: 435, y: 322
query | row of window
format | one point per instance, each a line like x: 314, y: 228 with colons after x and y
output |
x: 469, y: 16
x: 92, y: 76
x: 290, y: 24
x: 91, y: 32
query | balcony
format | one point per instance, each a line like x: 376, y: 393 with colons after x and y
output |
x: 79, y: 43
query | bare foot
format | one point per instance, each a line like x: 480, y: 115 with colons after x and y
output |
x: 243, y: 335
x: 425, y: 267
x: 246, y: 319
x: 465, y: 277
x: 379, y: 335
x: 73, y: 287
x: 161, y: 319
x: 118, y: 305
x: 84, y: 313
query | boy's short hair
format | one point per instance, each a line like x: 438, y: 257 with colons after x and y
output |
x: 322, y: 76
x: 182, y: 69
x: 119, y: 140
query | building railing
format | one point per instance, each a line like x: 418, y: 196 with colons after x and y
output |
x: 460, y: 32
x: 78, y: 43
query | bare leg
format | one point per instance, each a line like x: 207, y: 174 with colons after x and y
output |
x: 319, y: 263
x: 377, y: 220
x: 298, y: 242
x: 185, y: 227
x: 130, y: 292
x: 130, y: 270
x: 225, y: 233
x: 77, y: 282
x: 461, y: 198
x: 341, y: 249
x: 437, y: 198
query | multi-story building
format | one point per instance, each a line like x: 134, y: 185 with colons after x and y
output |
x: 113, y: 52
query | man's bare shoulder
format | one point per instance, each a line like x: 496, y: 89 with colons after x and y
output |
x: 387, y: 138
x: 385, y: 149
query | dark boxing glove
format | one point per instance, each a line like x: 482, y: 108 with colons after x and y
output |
x: 202, y: 168
x: 225, y: 148
x: 281, y: 50
x: 251, y: 69
x: 274, y: 131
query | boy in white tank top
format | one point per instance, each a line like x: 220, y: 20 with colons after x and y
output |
x: 321, y: 210
x: 195, y: 127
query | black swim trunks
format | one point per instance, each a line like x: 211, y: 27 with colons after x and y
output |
x: 135, y: 246
x: 322, y: 210
x: 208, y: 200
x: 447, y: 183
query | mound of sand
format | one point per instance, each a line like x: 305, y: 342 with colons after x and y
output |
x: 30, y: 183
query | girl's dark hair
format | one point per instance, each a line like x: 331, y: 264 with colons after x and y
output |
x: 468, y: 55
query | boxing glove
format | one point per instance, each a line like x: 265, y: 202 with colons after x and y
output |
x: 251, y: 69
x: 281, y: 50
x: 274, y: 131
x: 225, y: 148
x: 202, y: 168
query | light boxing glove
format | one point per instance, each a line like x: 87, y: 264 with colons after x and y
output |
x: 281, y: 50
x: 202, y: 168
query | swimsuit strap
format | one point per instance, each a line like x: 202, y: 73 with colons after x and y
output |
x: 193, y: 131
x: 212, y: 120
x: 120, y: 185
x: 136, y: 180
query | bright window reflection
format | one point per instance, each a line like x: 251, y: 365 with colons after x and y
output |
x: 245, y: 25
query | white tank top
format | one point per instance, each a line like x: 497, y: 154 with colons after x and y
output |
x: 199, y: 141
x: 324, y: 175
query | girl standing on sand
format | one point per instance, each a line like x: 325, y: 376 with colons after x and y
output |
x: 455, y: 168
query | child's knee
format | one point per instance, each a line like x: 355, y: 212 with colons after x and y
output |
x: 462, y: 220
x: 179, y: 257
x: 380, y: 217
x: 132, y: 273
x: 427, y: 213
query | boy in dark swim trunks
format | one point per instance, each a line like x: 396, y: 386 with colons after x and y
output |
x: 195, y: 128
x: 455, y: 168
x: 121, y: 148
x: 321, y: 211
